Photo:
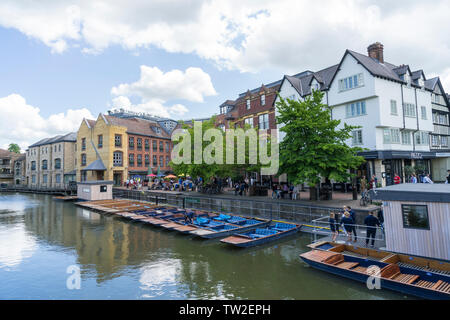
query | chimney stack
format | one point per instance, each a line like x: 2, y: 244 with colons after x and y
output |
x: 375, y: 50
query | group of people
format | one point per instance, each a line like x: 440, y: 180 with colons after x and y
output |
x: 160, y: 184
x: 285, y: 191
x: 347, y: 219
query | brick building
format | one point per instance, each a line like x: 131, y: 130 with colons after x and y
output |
x: 123, y: 145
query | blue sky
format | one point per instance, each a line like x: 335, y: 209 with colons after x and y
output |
x: 65, y: 60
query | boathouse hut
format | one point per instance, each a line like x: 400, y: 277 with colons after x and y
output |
x: 95, y: 190
x: 417, y: 218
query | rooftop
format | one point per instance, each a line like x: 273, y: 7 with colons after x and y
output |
x: 416, y: 192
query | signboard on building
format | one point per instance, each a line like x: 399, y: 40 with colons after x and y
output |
x: 416, y: 155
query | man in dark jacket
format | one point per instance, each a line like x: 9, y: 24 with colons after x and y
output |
x: 371, y: 222
x: 353, y: 216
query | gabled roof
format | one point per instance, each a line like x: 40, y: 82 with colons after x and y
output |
x: 402, y: 69
x: 139, y: 126
x: 431, y: 83
x: 97, y: 165
x: 296, y: 83
x: 69, y: 137
x: 417, y: 74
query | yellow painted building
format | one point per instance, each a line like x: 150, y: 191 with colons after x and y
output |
x: 101, y: 151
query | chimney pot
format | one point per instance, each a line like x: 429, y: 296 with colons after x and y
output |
x: 375, y: 51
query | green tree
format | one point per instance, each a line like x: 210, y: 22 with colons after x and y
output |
x: 14, y: 147
x: 314, y: 147
x: 208, y: 170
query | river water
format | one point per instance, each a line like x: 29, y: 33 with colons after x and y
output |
x: 45, y: 243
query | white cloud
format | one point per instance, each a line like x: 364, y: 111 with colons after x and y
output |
x: 191, y: 85
x: 155, y: 88
x: 286, y: 35
x: 23, y: 124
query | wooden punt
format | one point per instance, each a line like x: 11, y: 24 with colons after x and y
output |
x: 403, y: 260
x: 405, y: 280
x: 223, y: 229
x: 261, y: 236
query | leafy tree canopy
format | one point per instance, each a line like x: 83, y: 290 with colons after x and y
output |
x: 314, y: 146
x: 14, y: 147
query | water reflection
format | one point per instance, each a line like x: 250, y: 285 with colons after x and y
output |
x: 125, y: 260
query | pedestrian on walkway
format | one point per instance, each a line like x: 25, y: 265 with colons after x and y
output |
x: 413, y: 178
x: 397, y: 178
x: 363, y: 185
x: 427, y: 179
x: 371, y: 222
x: 295, y: 192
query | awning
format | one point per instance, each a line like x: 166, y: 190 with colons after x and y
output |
x: 97, y: 165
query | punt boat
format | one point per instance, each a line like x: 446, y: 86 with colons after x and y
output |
x: 262, y: 235
x: 410, y: 281
x: 403, y: 260
x: 214, y: 228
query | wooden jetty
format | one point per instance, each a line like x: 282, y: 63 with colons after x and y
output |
x: 65, y: 198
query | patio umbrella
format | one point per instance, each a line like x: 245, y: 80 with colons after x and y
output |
x: 170, y: 176
x: 151, y: 175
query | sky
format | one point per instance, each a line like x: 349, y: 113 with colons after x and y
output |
x: 62, y: 61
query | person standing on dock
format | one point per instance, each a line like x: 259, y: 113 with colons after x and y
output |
x: 348, y: 223
x: 371, y: 222
x: 353, y: 216
x: 333, y: 225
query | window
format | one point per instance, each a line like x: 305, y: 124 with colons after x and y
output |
x: 161, y: 161
x: 58, y: 163
x: 391, y: 136
x: 118, y: 140
x: 33, y: 179
x: 44, y: 178
x: 352, y: 82
x: 155, y: 162
x: 55, y: 147
x: 131, y: 160
x: 131, y: 143
x: 409, y: 110
x: 249, y: 121
x: 100, y: 141
x: 167, y: 147
x: 421, y: 138
x: 147, y: 160
x: 437, y: 98
x: 264, y: 121
x: 357, y: 137
x: 147, y: 145
x: 223, y: 109
x: 103, y: 188
x: 444, y: 141
x: 117, y: 159
x: 161, y: 146
x: 248, y: 104
x: 83, y: 143
x: 33, y: 165
x: 139, y: 143
x: 406, y: 137
x: 415, y: 217
x: 423, y: 111
x: 167, y: 161
x: 59, y: 148
x: 83, y: 159
x: 58, y: 178
x: 263, y: 99
x: 434, y: 140
x: 394, y: 107
x: 155, y: 147
x: 355, y: 109
x: 44, y: 164
x: 139, y: 160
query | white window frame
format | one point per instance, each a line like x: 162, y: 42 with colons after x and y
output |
x: 263, y: 99
x: 249, y: 121
x: 348, y: 83
x: 406, y: 137
x: 357, y: 137
x: 248, y: 104
x: 409, y: 110
x: 423, y: 112
x: 356, y: 109
x: 394, y: 110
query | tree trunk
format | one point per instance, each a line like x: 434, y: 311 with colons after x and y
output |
x: 313, y: 194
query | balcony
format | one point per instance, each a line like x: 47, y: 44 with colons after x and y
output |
x: 6, y: 175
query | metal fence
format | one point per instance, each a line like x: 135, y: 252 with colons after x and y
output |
x: 275, y: 210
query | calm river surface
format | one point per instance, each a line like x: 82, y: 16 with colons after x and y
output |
x: 41, y: 238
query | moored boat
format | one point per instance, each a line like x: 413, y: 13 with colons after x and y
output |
x: 419, y: 283
x: 262, y: 235
x: 218, y: 229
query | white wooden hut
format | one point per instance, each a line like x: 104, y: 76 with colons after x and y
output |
x: 417, y: 218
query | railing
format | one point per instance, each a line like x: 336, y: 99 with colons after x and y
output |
x: 275, y: 210
x: 321, y: 229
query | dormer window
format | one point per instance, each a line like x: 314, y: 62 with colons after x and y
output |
x: 223, y: 109
x: 263, y: 99
x: 248, y: 104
